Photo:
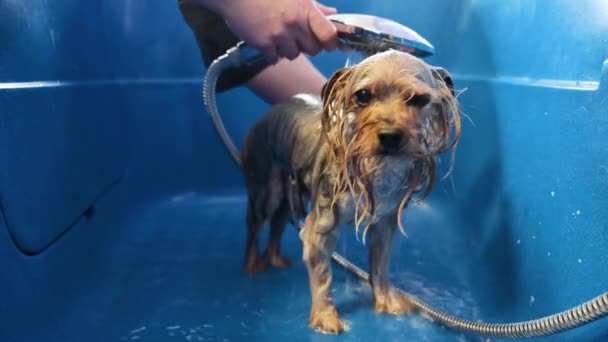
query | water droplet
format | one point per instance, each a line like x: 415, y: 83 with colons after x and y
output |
x: 552, y: 193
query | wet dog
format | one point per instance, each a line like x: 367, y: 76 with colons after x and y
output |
x: 357, y: 154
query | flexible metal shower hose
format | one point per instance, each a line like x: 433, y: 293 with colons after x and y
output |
x: 213, y: 74
x: 585, y: 313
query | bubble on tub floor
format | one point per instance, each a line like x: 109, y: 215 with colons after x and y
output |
x: 552, y: 193
x: 419, y: 323
x: 532, y: 300
x: 580, y: 261
x: 549, y: 254
x: 462, y: 338
x: 354, y: 289
x: 257, y: 313
x: 135, y: 331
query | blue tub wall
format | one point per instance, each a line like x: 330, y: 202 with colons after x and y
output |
x: 101, y: 114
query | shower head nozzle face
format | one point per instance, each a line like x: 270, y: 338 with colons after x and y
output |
x: 370, y: 34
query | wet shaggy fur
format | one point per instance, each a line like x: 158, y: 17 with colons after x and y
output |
x: 357, y: 155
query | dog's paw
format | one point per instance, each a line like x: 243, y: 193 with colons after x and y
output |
x: 279, y: 261
x: 327, y: 321
x: 393, y: 303
x: 254, y: 265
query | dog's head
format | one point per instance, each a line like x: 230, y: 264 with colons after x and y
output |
x: 391, y: 105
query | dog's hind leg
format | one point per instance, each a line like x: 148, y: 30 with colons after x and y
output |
x: 265, y: 198
x: 277, y: 227
x: 255, y: 223
x: 380, y: 241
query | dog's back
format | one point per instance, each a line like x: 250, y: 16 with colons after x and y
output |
x: 288, y: 129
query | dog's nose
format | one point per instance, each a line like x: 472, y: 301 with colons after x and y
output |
x: 390, y: 139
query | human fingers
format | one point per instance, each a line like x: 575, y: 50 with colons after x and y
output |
x: 286, y: 46
x: 270, y: 52
x: 323, y: 29
x: 326, y: 10
x: 309, y: 44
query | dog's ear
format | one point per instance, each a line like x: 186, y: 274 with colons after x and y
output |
x: 334, y: 97
x: 447, y: 116
x: 332, y: 82
x: 442, y: 74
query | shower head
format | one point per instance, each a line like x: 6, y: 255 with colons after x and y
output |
x: 370, y: 34
x: 366, y: 34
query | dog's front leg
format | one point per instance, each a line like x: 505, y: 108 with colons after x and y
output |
x: 319, y: 237
x: 379, y: 248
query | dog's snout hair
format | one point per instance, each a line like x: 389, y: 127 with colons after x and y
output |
x: 357, y: 153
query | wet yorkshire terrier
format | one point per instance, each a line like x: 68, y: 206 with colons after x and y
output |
x: 357, y: 154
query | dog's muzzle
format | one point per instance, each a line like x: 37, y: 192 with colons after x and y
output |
x: 391, y: 141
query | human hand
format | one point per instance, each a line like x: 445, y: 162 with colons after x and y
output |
x: 281, y: 28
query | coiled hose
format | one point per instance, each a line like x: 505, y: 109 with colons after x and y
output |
x: 580, y: 315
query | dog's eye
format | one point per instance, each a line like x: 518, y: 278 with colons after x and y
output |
x: 363, y: 96
x: 419, y: 100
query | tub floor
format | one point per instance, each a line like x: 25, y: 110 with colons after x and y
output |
x: 176, y: 276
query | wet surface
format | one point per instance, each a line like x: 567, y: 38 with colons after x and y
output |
x: 182, y: 282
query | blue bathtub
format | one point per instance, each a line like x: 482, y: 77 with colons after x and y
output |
x: 122, y: 216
